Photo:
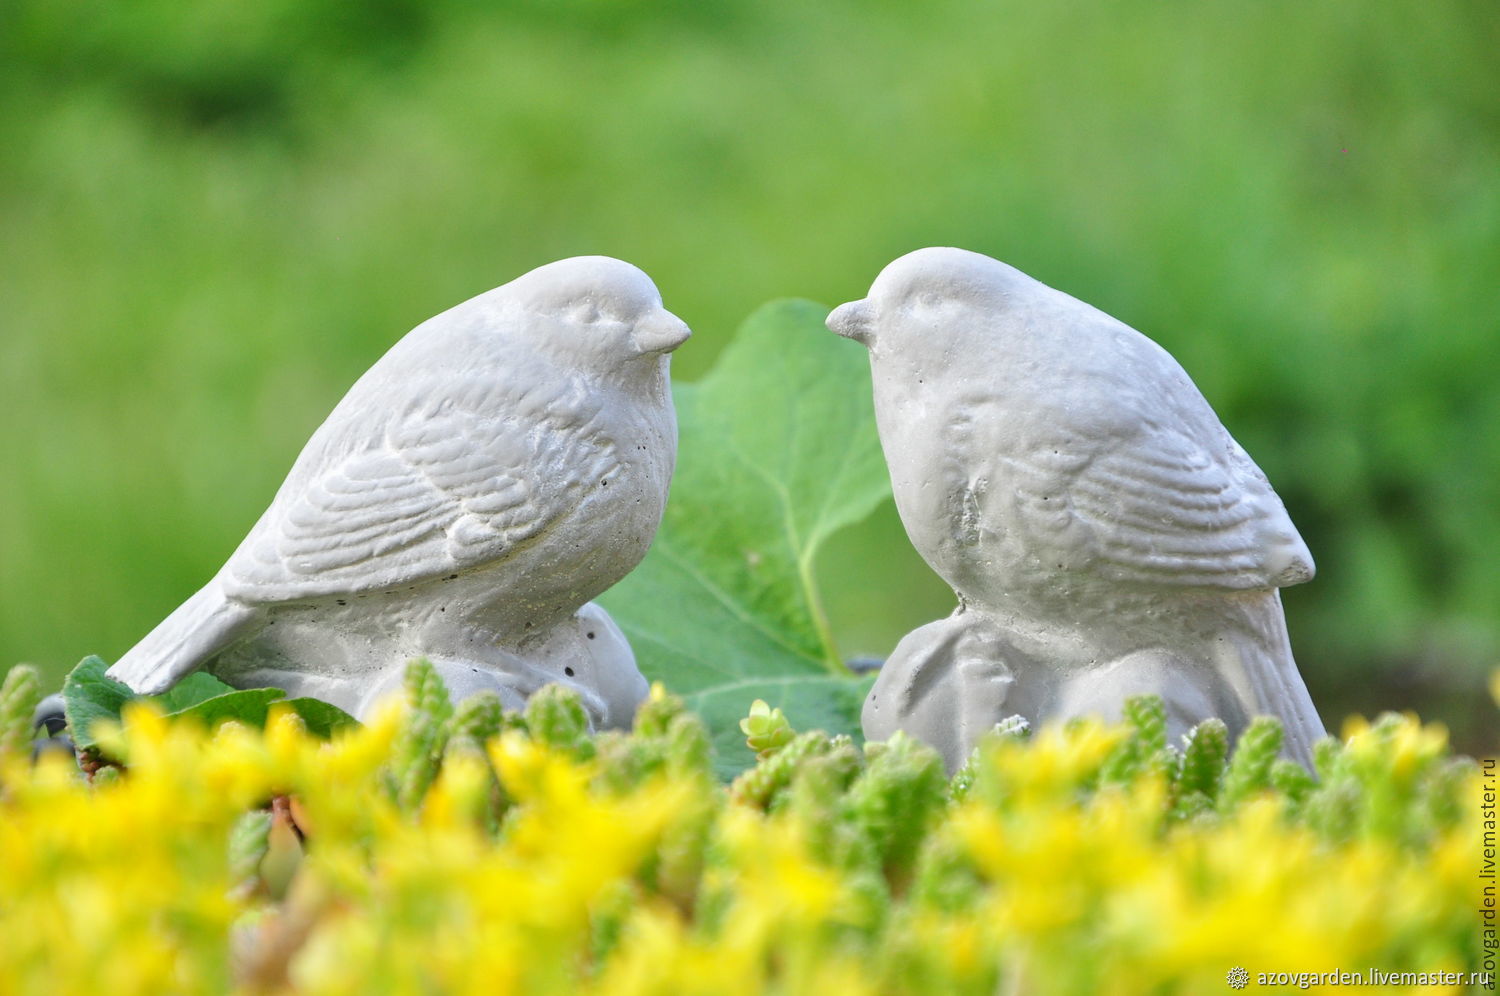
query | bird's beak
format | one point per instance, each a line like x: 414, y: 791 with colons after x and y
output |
x: 661, y: 332
x: 852, y: 320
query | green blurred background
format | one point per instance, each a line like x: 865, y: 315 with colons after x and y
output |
x: 214, y: 216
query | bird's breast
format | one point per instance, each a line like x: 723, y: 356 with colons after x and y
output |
x: 930, y: 436
x: 612, y: 516
x: 620, y: 510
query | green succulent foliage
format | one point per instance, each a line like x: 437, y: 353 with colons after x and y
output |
x: 478, y: 718
x: 1017, y: 727
x: 1012, y: 726
x: 868, y: 813
x: 1249, y: 770
x: 817, y: 799
x: 817, y: 788
x: 555, y: 716
x: 654, y: 716
x: 418, y: 750
x: 945, y: 878
x: 896, y: 800
x: 688, y: 746
x: 1326, y: 754
x: 607, y: 920
x: 869, y: 809
x: 105, y: 775
x: 1292, y: 781
x: 1201, y: 766
x: 20, y: 693
x: 666, y: 738
x: 1375, y: 786
x: 1145, y: 748
x: 1147, y: 716
x: 762, y: 784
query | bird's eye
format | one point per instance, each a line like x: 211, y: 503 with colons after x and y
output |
x: 584, y: 312
x: 928, y: 300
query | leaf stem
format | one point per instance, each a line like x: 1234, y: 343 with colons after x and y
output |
x: 831, y: 659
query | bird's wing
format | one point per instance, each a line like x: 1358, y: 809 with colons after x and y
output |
x: 1159, y: 507
x: 445, y: 488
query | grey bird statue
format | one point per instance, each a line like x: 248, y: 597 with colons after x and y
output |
x: 1103, y: 532
x: 503, y: 464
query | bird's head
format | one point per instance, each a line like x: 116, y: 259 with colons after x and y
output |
x: 599, y: 313
x: 923, y: 297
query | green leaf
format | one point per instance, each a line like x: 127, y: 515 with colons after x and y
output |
x: 200, y: 686
x: 89, y: 697
x: 777, y: 452
x: 321, y: 718
x: 250, y: 706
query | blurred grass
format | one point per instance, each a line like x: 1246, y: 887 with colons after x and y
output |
x: 213, y: 218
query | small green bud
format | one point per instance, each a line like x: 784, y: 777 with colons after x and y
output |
x: 766, y: 730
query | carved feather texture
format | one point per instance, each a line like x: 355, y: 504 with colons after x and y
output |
x: 435, y: 494
x: 1152, y: 508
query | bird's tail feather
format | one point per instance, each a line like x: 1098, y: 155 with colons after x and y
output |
x: 204, y: 624
x: 1277, y: 685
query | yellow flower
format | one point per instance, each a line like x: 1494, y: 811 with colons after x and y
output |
x: 1055, y: 885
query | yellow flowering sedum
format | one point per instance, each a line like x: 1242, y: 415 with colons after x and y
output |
x: 500, y: 854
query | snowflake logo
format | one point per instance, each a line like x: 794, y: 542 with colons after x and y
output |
x: 1238, y: 978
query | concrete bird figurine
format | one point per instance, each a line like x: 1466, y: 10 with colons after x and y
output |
x: 1103, y: 533
x: 500, y: 466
